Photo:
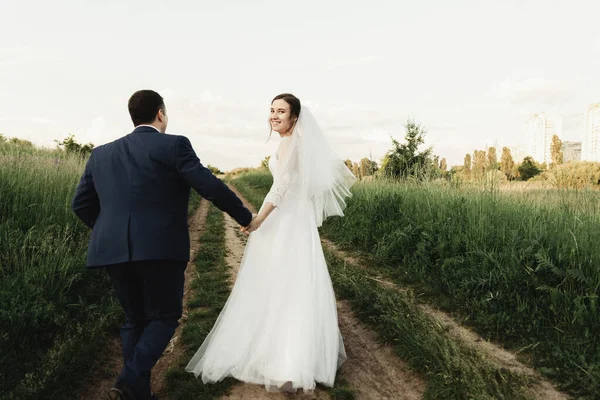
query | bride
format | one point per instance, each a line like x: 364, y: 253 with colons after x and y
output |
x: 279, y: 326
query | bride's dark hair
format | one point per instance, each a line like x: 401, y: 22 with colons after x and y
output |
x: 295, y: 108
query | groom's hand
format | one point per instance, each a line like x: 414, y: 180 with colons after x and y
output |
x: 254, y: 225
x: 244, y: 229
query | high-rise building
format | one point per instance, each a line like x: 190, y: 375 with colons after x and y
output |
x: 518, y: 153
x: 539, y: 130
x: 590, y: 146
x: 571, y: 151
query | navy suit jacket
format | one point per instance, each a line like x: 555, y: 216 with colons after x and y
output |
x: 134, y: 194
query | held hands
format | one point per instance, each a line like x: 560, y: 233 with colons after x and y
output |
x: 256, y: 222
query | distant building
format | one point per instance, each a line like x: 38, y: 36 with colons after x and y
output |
x: 539, y: 130
x: 590, y: 146
x: 571, y: 151
x: 518, y: 153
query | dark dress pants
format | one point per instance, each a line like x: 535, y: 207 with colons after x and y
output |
x: 151, y: 294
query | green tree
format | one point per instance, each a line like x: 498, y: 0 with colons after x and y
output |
x: 404, y: 160
x: 529, y: 168
x: 556, y: 151
x: 20, y: 142
x: 71, y: 146
x: 214, y: 170
x: 507, y: 164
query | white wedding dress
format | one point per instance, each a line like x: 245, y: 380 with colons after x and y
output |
x: 279, y: 324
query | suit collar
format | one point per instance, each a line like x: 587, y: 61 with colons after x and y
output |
x: 145, y: 129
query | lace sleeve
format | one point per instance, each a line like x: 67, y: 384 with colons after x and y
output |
x: 278, y: 190
x: 285, y: 176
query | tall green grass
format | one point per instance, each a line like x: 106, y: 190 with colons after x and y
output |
x: 453, y: 369
x: 522, y: 267
x: 523, y: 271
x: 54, y: 313
x: 254, y: 185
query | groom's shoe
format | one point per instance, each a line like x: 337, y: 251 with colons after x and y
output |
x: 121, y: 391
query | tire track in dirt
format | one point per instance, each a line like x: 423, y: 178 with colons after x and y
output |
x: 372, y: 370
x: 111, y: 362
x: 542, y: 389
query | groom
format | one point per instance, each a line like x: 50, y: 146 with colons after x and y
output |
x: 134, y: 196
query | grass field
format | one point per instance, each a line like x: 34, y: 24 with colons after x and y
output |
x: 521, y: 267
x: 55, y: 315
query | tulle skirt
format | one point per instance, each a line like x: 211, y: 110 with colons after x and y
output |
x: 279, y: 327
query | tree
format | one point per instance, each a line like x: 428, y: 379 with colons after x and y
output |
x: 529, y: 168
x: 348, y: 164
x: 578, y: 175
x: 443, y: 165
x: 2, y: 138
x: 367, y: 167
x: 71, y: 146
x: 356, y: 170
x: 20, y: 142
x: 507, y: 164
x: 492, y: 159
x: 404, y: 160
x: 556, y: 151
x: 479, y: 164
x: 467, y: 165
x: 265, y: 162
x: 214, y: 170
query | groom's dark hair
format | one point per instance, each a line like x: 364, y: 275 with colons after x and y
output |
x: 143, y: 106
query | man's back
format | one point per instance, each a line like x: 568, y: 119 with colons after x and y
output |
x: 134, y: 194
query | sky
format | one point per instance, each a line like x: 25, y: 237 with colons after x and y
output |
x: 469, y: 71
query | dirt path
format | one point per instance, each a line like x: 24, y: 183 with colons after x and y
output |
x: 372, y: 370
x: 109, y: 366
x: 173, y: 352
x: 246, y: 202
x: 542, y: 390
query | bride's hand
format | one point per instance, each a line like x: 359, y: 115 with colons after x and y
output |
x: 254, y: 225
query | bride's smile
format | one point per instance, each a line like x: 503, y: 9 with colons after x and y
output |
x: 280, y: 117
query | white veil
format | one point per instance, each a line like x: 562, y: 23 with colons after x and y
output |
x: 324, y: 177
